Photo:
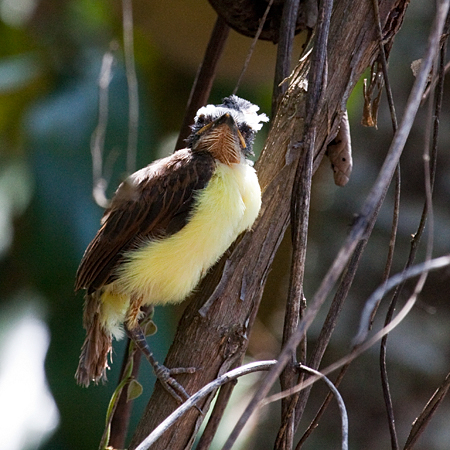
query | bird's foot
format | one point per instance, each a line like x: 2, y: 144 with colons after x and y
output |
x: 165, y: 377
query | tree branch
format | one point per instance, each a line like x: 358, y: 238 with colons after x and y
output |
x: 193, y: 400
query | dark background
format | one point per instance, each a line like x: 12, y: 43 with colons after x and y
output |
x: 50, y: 59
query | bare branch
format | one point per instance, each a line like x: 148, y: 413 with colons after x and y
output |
x: 300, y: 203
x: 213, y: 423
x: 430, y: 172
x: 383, y: 60
x: 193, y: 400
x: 314, y: 423
x: 320, y: 376
x: 99, y: 170
x: 358, y: 349
x: 422, y: 421
x: 301, y: 190
x: 383, y: 347
x: 252, y: 46
x: 296, y: 303
x: 133, y: 95
x: 204, y: 79
x: 284, y: 50
x: 98, y: 137
x: 407, y: 121
x: 377, y: 193
x: 411, y: 272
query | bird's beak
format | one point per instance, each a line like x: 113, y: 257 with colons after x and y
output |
x: 222, y: 139
x: 226, y: 119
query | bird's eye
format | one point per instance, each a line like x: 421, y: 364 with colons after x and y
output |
x: 201, y: 119
x: 245, y: 130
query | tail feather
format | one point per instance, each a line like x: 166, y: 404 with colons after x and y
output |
x: 97, y: 345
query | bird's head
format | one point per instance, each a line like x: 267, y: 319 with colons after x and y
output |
x: 226, y: 131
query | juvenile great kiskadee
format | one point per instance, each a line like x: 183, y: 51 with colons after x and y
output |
x: 167, y: 224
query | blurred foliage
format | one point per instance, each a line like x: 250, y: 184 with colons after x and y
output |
x: 50, y: 61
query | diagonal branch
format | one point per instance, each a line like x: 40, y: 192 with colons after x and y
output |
x: 204, y: 79
x: 361, y: 347
x: 422, y: 421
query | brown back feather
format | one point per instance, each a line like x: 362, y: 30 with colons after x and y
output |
x: 155, y: 201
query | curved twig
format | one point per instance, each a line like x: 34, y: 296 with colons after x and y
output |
x: 361, y: 347
x: 192, y: 401
x: 320, y: 376
x: 344, y: 417
x: 391, y: 283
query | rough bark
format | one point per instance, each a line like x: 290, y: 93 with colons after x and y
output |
x: 213, y: 332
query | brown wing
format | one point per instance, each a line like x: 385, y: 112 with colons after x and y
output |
x: 154, y: 201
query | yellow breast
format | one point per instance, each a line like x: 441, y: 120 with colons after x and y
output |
x: 167, y: 270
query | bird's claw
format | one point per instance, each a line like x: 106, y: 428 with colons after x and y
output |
x: 171, y: 385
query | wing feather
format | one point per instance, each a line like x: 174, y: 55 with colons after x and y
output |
x: 155, y: 201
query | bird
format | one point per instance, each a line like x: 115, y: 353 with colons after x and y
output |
x: 166, y: 226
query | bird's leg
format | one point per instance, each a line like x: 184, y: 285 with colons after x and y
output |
x: 163, y: 374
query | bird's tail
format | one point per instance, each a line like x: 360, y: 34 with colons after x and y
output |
x: 97, y: 345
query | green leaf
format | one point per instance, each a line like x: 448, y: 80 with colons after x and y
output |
x: 149, y: 328
x: 134, y: 390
